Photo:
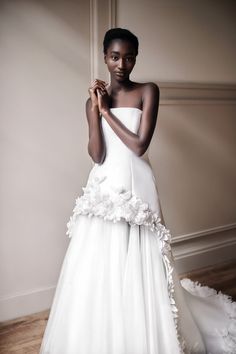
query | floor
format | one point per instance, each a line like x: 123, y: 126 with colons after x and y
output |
x: 24, y: 335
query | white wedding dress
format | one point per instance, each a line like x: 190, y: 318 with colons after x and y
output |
x: 118, y: 291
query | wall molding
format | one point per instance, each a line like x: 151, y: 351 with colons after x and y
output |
x: 180, y: 93
x: 204, y: 248
x: 93, y: 17
x: 203, y: 233
x: 112, y: 13
x: 102, y: 17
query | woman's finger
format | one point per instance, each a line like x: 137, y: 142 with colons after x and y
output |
x: 99, y: 82
x: 98, y: 86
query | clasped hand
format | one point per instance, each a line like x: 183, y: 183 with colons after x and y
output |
x: 99, y: 95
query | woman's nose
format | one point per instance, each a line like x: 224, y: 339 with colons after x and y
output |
x: 121, y: 64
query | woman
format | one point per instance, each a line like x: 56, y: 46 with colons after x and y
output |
x: 118, y: 292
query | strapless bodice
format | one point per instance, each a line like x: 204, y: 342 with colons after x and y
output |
x: 115, y: 148
x: 122, y: 168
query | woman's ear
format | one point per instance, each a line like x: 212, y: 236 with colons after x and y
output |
x: 105, y: 58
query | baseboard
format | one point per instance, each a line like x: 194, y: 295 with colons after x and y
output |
x: 26, y: 303
x: 204, y: 248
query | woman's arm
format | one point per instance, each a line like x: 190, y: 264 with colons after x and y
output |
x: 96, y: 144
x: 139, y: 142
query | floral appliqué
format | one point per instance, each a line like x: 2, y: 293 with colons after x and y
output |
x: 120, y: 204
x: 115, y: 206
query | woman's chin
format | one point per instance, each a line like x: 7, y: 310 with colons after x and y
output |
x: 121, y: 78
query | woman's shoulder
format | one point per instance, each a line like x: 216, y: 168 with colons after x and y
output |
x: 148, y: 86
x: 150, y: 90
x: 146, y: 92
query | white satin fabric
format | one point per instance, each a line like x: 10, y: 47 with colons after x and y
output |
x: 118, y: 291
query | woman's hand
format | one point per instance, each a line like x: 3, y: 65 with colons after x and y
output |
x: 93, y: 91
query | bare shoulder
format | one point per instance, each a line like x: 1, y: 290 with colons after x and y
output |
x: 150, y: 88
x: 147, y: 93
x: 150, y: 98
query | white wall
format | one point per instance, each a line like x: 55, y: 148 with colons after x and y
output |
x: 182, y: 41
x: 193, y: 156
x: 45, y: 73
x: 187, y: 48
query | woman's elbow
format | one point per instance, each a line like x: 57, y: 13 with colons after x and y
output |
x: 96, y: 157
x: 140, y: 150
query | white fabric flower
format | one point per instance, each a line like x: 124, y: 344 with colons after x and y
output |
x: 121, y: 204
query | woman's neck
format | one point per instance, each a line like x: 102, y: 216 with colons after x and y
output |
x: 117, y: 86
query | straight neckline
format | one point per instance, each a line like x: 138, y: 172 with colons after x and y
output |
x: 128, y: 108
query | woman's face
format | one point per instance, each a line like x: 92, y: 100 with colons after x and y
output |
x: 120, y: 59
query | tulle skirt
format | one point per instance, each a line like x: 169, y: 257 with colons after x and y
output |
x: 112, y: 298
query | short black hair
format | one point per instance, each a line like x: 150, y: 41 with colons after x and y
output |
x: 119, y: 33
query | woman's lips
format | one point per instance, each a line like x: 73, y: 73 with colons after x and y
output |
x: 120, y: 74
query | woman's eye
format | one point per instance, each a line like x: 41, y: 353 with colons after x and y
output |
x: 114, y: 57
x: 129, y: 59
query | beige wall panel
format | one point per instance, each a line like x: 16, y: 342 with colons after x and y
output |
x: 189, y: 45
x: 45, y: 72
x: 182, y: 40
x: 193, y: 155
